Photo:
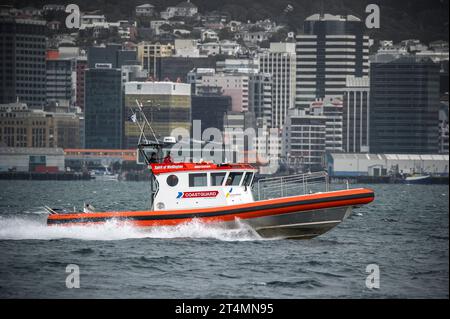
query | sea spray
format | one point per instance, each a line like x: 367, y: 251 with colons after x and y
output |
x: 24, y: 227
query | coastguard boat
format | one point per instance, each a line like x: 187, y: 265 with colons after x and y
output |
x: 222, y: 194
x: 296, y: 206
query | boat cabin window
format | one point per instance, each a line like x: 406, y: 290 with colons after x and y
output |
x: 247, y: 179
x: 217, y: 179
x: 198, y: 180
x: 172, y: 180
x: 234, y: 179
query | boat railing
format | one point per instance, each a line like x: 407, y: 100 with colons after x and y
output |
x: 291, y: 185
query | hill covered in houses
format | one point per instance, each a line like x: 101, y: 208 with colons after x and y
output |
x: 400, y: 19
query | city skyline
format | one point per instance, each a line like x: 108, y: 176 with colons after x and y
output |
x: 329, y: 63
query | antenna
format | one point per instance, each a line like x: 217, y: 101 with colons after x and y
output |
x: 140, y: 119
x: 321, y: 12
x: 142, y: 122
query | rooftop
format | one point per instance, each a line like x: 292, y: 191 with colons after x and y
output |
x: 404, y: 157
x: 331, y: 17
x: 146, y: 5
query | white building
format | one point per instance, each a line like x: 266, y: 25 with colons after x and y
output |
x: 90, y: 19
x: 331, y: 108
x: 383, y: 164
x: 304, y: 139
x: 24, y: 159
x: 187, y: 48
x: 356, y: 115
x: 279, y: 62
x: 253, y: 37
x: 209, y: 35
x: 148, y: 53
x: 145, y: 10
x: 244, y: 66
x: 183, y: 9
x: 224, y: 47
x: 195, y: 76
x: 443, y: 128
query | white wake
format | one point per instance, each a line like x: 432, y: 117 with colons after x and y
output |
x: 23, y: 228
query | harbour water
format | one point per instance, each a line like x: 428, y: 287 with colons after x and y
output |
x: 404, y: 231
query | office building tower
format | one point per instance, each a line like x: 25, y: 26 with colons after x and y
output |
x: 330, y: 49
x: 167, y: 105
x: 279, y: 61
x: 404, y: 106
x: 356, y: 115
x: 22, y: 61
x: 104, y: 111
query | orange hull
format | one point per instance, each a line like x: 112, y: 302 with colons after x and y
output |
x: 249, y: 211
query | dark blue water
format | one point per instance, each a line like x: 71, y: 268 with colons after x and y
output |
x: 405, y: 232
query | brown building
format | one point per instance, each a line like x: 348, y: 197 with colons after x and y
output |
x: 22, y: 127
x: 81, y: 66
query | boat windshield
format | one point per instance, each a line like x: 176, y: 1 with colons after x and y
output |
x: 247, y: 179
x: 217, y: 179
x: 234, y: 179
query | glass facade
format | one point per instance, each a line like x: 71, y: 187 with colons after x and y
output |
x: 22, y: 61
x: 104, y: 109
x: 404, y: 106
x: 165, y: 113
x: 210, y: 110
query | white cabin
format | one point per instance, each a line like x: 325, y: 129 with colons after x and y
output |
x: 192, y: 185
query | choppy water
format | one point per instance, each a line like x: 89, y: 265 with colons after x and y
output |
x: 405, y: 232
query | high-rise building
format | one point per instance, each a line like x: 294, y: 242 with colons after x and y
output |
x: 81, y: 66
x: 59, y: 81
x: 112, y: 54
x: 356, y: 115
x: 279, y: 61
x: 330, y: 49
x: 443, y: 127
x: 167, y: 105
x: 260, y: 97
x: 210, y: 110
x: 194, y: 77
x: 147, y: 54
x: 104, y: 111
x: 304, y: 139
x: 174, y: 68
x: 244, y: 66
x: 332, y: 109
x: 234, y: 85
x: 404, y: 106
x: 22, y: 61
